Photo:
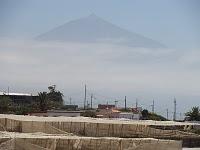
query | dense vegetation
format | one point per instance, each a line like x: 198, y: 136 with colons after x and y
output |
x: 193, y: 114
x: 89, y: 113
x: 45, y: 100
x: 146, y: 115
x: 5, y: 104
x: 51, y: 100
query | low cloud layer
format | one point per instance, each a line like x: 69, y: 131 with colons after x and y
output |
x: 113, y: 71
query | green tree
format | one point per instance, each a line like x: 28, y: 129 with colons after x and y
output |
x: 5, y: 103
x: 55, y: 98
x: 89, y: 113
x: 42, y: 96
x: 193, y: 114
x: 145, y: 114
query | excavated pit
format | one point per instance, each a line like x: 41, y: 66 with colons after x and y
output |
x: 90, y: 131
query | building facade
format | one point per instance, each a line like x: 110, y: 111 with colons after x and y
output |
x: 19, y: 99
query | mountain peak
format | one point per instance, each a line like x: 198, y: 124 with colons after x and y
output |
x: 95, y: 29
x: 93, y: 15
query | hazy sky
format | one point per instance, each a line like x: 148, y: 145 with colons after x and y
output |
x: 172, y: 22
x: 110, y: 71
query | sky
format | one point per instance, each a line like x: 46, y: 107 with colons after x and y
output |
x: 173, y: 22
x: 143, y: 74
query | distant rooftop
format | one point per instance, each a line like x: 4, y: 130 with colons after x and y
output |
x: 17, y: 94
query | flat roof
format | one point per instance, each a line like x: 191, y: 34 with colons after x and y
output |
x: 17, y: 94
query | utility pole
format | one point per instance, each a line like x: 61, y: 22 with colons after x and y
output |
x: 116, y: 103
x: 87, y: 106
x: 8, y: 90
x: 180, y: 116
x: 125, y: 102
x: 107, y: 104
x: 85, y: 97
x: 153, y: 107
x: 136, y: 104
x: 167, y: 114
x: 91, y: 101
x: 174, y: 117
x: 70, y: 100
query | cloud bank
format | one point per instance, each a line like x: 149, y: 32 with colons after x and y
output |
x: 112, y: 69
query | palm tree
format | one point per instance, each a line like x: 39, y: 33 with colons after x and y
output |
x: 55, y: 97
x: 194, y: 114
x: 43, y: 100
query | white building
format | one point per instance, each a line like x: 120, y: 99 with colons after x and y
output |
x: 129, y: 115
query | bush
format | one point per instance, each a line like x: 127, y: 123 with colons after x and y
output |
x: 146, y: 115
x: 89, y: 113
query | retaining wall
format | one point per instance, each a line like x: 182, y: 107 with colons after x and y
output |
x: 92, y: 128
x: 86, y: 143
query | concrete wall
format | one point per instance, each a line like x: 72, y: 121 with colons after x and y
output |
x: 100, y: 129
x: 91, y: 129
